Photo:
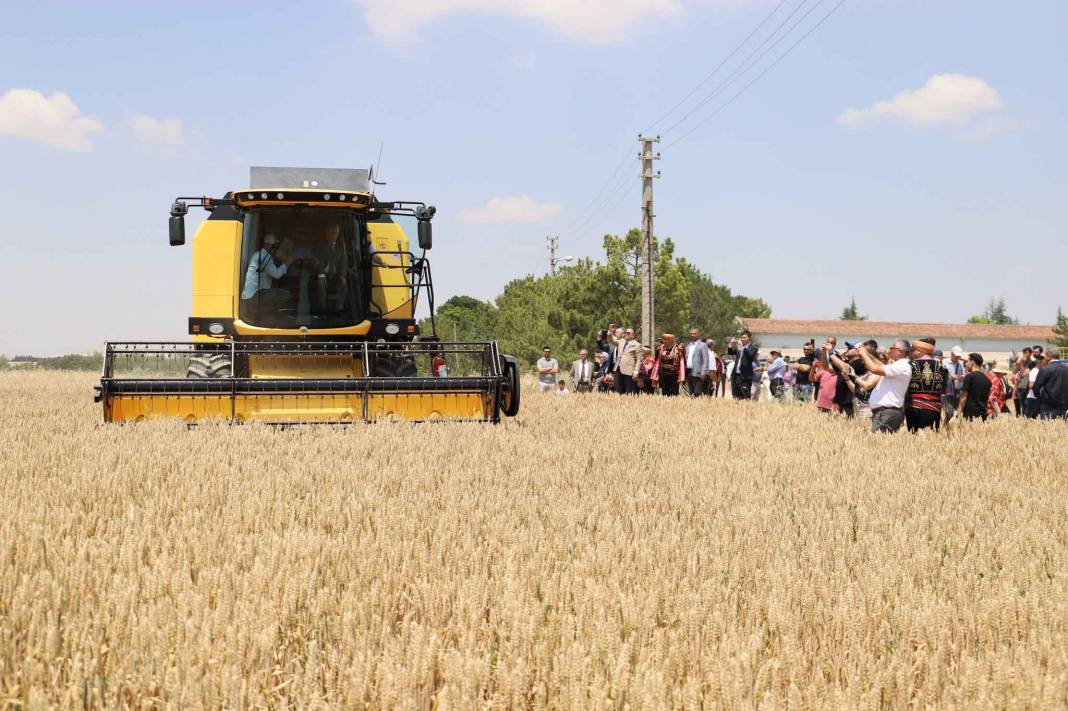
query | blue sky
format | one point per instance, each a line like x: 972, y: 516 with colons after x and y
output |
x: 909, y: 153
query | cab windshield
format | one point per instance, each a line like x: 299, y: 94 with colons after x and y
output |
x: 300, y: 267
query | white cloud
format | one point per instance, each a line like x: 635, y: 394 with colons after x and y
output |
x: 163, y: 135
x: 588, y: 21
x: 946, y: 99
x: 519, y: 208
x: 52, y: 120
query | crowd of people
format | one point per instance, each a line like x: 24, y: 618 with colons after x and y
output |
x: 909, y: 384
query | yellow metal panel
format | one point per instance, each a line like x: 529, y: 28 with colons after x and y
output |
x: 347, y: 407
x: 429, y: 406
x: 387, y: 292
x: 304, y: 366
x: 309, y: 407
x: 123, y: 408
x: 216, y: 253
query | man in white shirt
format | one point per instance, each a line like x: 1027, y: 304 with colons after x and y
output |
x: 259, y: 299
x: 887, y: 400
x: 583, y: 373
x: 713, y: 374
x: 1031, y: 401
x: 696, y: 363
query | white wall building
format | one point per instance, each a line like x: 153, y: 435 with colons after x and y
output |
x: 992, y: 341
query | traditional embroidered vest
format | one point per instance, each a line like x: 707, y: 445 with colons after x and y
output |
x: 669, y: 361
x: 927, y: 385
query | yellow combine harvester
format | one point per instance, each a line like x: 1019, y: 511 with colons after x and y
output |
x: 304, y: 310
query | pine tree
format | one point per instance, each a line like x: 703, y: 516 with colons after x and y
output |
x: 851, y: 312
x: 1060, y: 329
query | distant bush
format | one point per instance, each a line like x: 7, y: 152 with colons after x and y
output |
x: 71, y: 361
x: 4, y: 364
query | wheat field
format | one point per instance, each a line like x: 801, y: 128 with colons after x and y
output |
x: 593, y: 553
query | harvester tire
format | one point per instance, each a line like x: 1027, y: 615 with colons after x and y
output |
x: 510, y: 389
x: 210, y: 366
x: 396, y: 367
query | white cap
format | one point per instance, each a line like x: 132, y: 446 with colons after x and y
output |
x: 958, y: 351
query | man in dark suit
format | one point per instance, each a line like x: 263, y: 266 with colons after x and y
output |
x: 745, y: 353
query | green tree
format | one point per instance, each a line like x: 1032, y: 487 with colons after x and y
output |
x: 996, y: 312
x: 566, y: 310
x: 463, y: 318
x: 851, y: 312
x: 4, y: 364
x: 1060, y: 330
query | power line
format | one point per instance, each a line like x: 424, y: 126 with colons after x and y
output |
x: 602, y: 198
x: 751, y: 60
x: 598, y: 211
x: 717, y: 67
x: 597, y: 195
x: 622, y: 195
x: 757, y: 78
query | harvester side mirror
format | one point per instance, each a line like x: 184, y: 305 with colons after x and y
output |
x: 426, y: 235
x: 177, y: 223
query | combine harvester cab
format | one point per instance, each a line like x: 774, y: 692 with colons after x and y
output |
x: 304, y: 300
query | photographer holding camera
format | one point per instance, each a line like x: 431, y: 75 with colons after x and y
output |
x: 745, y: 354
x: 888, y: 398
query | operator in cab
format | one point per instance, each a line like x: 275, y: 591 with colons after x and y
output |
x: 259, y: 297
x: 333, y: 270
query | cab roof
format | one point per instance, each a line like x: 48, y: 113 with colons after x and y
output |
x: 348, y: 180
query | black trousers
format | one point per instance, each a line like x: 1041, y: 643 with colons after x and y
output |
x: 669, y: 384
x: 1052, y: 412
x: 625, y: 384
x: 741, y: 388
x: 1031, y: 407
x: 777, y: 388
x: 696, y: 384
x: 917, y: 420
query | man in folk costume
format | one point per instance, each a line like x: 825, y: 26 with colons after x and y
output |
x: 670, y: 366
x: 923, y: 401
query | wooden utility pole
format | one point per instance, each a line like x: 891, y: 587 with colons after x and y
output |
x: 648, y: 307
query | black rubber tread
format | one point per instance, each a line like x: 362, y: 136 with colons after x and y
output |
x: 510, y: 390
x: 209, y: 367
x: 395, y: 367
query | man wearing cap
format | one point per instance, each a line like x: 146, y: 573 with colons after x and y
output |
x: 670, y: 365
x: 888, y: 398
x: 995, y: 404
x: 923, y: 406
x: 260, y: 301
x: 954, y: 381
x: 776, y: 369
x: 1051, y: 387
